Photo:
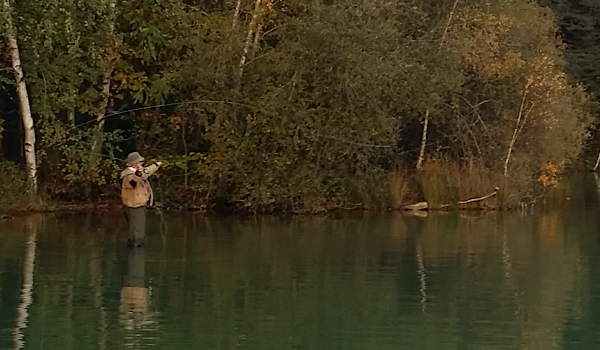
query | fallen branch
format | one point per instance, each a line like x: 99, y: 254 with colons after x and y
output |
x: 473, y: 200
x: 424, y: 205
x: 417, y: 206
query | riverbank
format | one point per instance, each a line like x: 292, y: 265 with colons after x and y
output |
x: 108, y: 205
x: 440, y: 186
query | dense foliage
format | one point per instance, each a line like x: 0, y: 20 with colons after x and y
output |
x: 301, y: 105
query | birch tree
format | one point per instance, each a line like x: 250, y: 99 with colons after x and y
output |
x: 23, y: 97
x: 426, y: 118
x: 252, y: 26
x: 520, y: 95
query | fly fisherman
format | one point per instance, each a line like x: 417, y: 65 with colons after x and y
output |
x: 136, y: 194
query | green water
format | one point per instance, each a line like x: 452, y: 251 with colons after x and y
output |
x: 446, y: 281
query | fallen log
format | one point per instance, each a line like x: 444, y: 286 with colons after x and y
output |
x: 424, y: 205
x: 417, y: 206
x: 479, y: 199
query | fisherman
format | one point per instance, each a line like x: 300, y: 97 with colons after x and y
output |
x: 136, y: 194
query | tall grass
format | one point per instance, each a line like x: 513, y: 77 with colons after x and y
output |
x: 398, y: 183
x: 445, y: 183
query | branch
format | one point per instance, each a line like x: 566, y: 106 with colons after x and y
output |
x: 479, y: 199
x: 447, y: 25
x: 424, y: 205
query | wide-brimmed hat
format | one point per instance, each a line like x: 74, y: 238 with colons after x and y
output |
x: 133, y: 158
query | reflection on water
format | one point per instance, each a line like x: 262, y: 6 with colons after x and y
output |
x: 26, y: 291
x: 135, y: 297
x: 444, y: 281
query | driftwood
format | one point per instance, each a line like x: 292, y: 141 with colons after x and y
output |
x: 417, y: 206
x: 424, y: 205
x: 473, y: 200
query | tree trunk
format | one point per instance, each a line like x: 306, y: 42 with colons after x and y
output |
x: 515, y: 132
x: 239, y: 70
x: 24, y: 106
x: 257, y: 34
x: 447, y: 25
x: 423, y: 141
x: 597, y: 162
x: 71, y: 117
x: 248, y: 42
x: 426, y: 121
x: 236, y: 13
x: 106, y: 83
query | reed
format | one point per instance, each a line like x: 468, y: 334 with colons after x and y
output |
x: 398, y: 183
x: 445, y: 183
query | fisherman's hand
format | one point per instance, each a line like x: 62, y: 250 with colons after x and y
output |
x: 159, y: 164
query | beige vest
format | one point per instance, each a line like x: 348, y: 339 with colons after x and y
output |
x: 141, y: 194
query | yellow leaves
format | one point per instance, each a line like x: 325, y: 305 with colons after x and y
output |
x: 549, y: 175
x: 478, y: 36
x: 175, y: 122
x: 130, y: 80
x: 515, y: 42
x: 503, y: 42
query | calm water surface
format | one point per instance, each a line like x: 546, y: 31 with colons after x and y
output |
x: 446, y: 281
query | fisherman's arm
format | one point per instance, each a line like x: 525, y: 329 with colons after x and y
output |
x: 152, y: 169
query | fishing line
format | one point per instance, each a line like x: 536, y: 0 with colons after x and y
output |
x: 228, y: 103
x: 158, y: 106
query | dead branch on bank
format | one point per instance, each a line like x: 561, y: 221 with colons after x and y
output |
x: 424, y: 205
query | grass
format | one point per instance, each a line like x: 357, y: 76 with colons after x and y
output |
x: 440, y: 183
x: 445, y: 183
x: 398, y: 183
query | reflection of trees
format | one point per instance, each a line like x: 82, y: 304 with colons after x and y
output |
x: 352, y: 283
x: 27, y: 287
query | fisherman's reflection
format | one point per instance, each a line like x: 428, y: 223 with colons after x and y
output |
x: 135, y: 296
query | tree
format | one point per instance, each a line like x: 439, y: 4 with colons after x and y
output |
x: 109, y: 61
x: 519, y: 84
x: 24, y: 106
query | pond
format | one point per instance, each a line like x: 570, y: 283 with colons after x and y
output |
x: 387, y: 281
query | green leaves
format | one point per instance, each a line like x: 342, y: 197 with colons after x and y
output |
x: 329, y: 95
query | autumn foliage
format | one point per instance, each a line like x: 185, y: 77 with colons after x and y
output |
x: 300, y: 106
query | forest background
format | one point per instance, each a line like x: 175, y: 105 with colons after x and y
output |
x: 297, y: 106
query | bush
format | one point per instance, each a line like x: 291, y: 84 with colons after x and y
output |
x: 13, y: 186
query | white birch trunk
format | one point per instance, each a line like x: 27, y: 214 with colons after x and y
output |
x: 515, y: 132
x: 447, y: 25
x: 24, y: 106
x: 426, y: 121
x: 236, y: 13
x: 248, y: 42
x: 597, y: 162
x: 71, y: 117
x: 27, y: 288
x: 256, y: 38
x: 423, y: 141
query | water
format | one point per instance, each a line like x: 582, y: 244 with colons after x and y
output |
x: 393, y: 281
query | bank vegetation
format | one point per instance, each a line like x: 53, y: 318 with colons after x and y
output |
x: 289, y: 106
